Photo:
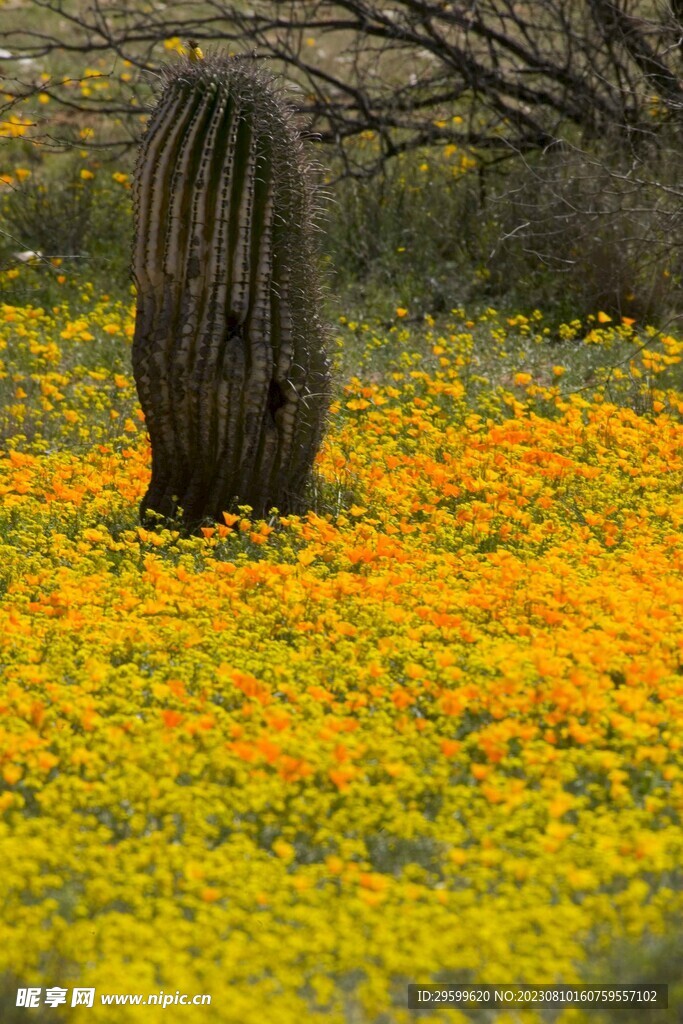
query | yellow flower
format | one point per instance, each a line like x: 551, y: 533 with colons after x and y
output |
x: 430, y: 704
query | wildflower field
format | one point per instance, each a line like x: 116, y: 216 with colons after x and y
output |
x: 430, y: 730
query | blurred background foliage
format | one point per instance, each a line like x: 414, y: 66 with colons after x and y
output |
x: 521, y: 154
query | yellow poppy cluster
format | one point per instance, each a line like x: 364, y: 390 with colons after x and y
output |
x: 431, y: 730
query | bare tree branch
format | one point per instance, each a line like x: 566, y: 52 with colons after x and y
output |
x: 519, y: 75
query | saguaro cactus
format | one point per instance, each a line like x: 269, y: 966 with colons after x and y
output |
x: 228, y: 355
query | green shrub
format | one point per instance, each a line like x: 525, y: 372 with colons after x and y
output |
x: 80, y: 225
x: 582, y: 232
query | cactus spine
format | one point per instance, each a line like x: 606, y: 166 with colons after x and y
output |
x: 228, y: 354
